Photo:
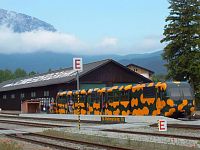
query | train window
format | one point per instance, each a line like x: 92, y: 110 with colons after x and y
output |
x: 149, y: 92
x: 125, y: 96
x: 33, y: 94
x: 22, y: 95
x: 82, y: 98
x: 4, y: 96
x: 93, y: 97
x: 117, y: 96
x: 46, y: 93
x: 61, y: 100
x: 13, y: 96
x: 110, y: 97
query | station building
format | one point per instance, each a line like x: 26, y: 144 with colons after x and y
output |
x: 141, y: 70
x: 43, y: 88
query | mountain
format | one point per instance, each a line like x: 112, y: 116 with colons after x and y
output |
x: 22, y: 23
x: 152, y: 61
x: 42, y: 61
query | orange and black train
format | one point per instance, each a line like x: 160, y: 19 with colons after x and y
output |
x: 170, y: 99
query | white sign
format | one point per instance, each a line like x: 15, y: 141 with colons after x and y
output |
x: 162, y: 125
x: 77, y: 64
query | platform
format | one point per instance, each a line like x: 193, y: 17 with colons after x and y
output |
x: 128, y: 119
x: 11, y: 112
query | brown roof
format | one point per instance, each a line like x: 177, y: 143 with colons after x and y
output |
x: 66, y: 75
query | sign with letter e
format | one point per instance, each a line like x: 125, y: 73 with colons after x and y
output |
x: 162, y: 125
x: 77, y: 64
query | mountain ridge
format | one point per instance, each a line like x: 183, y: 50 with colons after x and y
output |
x: 23, y: 23
x: 42, y: 61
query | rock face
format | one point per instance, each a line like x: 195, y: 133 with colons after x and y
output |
x: 23, y: 23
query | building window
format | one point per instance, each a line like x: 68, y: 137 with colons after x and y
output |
x: 46, y: 93
x: 22, y: 95
x: 33, y: 94
x: 13, y: 96
x: 4, y: 97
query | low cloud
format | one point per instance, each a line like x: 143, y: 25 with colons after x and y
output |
x: 109, y: 42
x: 149, y: 44
x: 40, y: 40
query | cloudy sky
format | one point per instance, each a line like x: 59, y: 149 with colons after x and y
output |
x: 89, y: 26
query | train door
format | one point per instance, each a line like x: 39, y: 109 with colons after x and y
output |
x: 125, y: 100
x: 90, y: 110
x: 109, y: 102
x: 103, y: 100
x: 70, y: 103
x: 96, y: 103
x: 116, y: 101
x: 83, y: 102
x: 75, y: 102
x: 93, y: 102
x: 112, y: 102
x: 60, y: 102
x: 151, y: 103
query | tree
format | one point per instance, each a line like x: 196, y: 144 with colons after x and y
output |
x: 5, y: 75
x: 182, y: 36
x: 49, y: 70
x: 32, y: 73
x: 19, y: 73
x: 158, y: 78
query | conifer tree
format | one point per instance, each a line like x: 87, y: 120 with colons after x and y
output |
x: 182, y: 38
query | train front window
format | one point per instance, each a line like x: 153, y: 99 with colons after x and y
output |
x: 187, y: 93
x: 178, y: 93
x: 174, y: 93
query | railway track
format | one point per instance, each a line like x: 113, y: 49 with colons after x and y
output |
x: 61, y: 143
x: 154, y: 134
x: 43, y: 125
x: 180, y: 126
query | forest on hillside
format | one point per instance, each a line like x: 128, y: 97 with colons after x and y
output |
x: 18, y: 73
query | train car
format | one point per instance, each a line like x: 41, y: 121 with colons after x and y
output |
x: 94, y: 101
x: 171, y: 99
x: 60, y: 106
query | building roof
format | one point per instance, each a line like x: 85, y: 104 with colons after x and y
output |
x: 66, y: 75
x: 140, y: 68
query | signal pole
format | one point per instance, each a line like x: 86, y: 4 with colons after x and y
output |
x: 79, y: 121
x: 78, y: 66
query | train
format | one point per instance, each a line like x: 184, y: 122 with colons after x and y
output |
x: 170, y: 99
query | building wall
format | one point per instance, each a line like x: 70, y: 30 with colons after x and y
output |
x: 141, y: 71
x: 107, y: 75
x: 111, y: 73
x: 15, y: 103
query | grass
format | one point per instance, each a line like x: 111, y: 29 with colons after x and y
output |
x: 123, y: 143
x: 6, y: 144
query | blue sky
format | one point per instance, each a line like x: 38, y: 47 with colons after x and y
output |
x: 120, y: 26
